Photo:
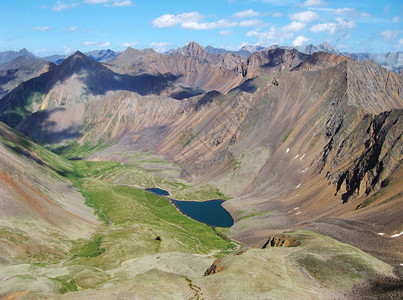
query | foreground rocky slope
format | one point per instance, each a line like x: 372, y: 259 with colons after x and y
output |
x: 39, y: 208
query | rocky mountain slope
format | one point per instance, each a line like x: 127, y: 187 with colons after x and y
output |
x: 7, y: 56
x: 102, y: 55
x: 310, y: 114
x: 271, y: 61
x: 79, y: 79
x: 392, y: 60
x: 39, y: 208
x: 97, y: 55
x: 125, y: 259
x: 185, y: 70
x: 225, y: 60
x: 294, y: 140
x: 20, y: 69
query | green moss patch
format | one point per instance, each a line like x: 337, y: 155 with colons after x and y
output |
x: 287, y: 135
x: 90, y: 249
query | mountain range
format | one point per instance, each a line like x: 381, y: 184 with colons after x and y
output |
x: 391, y: 60
x: 306, y: 146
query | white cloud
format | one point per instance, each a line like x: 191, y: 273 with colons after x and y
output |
x: 115, y: 3
x: 294, y: 26
x: 246, y: 14
x: 98, y: 44
x: 40, y: 50
x: 122, y: 3
x: 128, y: 44
x: 279, y: 35
x: 270, y: 37
x: 390, y: 35
x: 106, y: 44
x: 281, y: 2
x: 310, y: 3
x: 329, y: 27
x: 95, y: 1
x: 226, y: 32
x: 196, y: 21
x: 306, y: 16
x: 71, y: 29
x: 333, y: 28
x: 278, y: 15
x: 345, y: 10
x: 345, y: 24
x: 67, y: 50
x: 396, y: 19
x: 160, y: 47
x: 299, y: 41
x: 59, y: 6
x: 243, y: 44
x: 39, y: 28
x: 190, y: 21
x: 400, y: 43
x: 87, y: 43
x: 168, y: 20
x: 208, y: 25
x: 249, y: 23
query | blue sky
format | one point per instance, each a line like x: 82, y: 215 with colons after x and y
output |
x: 48, y: 27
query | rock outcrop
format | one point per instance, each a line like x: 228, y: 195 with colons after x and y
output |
x: 281, y: 240
x: 216, y: 267
x: 368, y: 155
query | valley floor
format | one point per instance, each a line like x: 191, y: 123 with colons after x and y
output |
x: 146, y: 249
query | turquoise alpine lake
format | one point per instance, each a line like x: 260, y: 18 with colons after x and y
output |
x: 209, y: 212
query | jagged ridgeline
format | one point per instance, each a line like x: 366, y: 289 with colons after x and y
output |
x: 310, y: 144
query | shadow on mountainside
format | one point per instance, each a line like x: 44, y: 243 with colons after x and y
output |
x: 248, y: 86
x: 7, y: 75
x: 97, y: 80
x: 48, y: 131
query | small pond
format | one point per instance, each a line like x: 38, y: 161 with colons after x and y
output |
x: 158, y: 191
x: 209, y: 212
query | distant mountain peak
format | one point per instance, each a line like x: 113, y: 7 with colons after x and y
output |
x: 78, y: 55
x: 130, y: 50
x: 213, y: 50
x: 78, y: 52
x: 10, y: 55
x: 251, y: 48
x: 193, y: 49
x: 78, y: 61
x: 194, y: 44
x: 326, y: 44
x: 25, y: 52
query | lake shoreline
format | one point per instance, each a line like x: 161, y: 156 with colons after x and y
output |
x: 209, y: 212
